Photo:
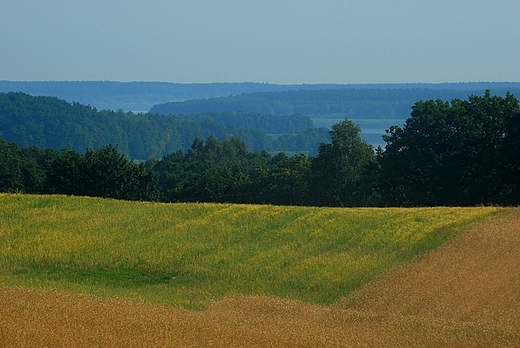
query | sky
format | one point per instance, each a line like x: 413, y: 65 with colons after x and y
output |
x: 271, y: 41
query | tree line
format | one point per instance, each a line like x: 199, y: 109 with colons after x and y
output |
x: 458, y: 153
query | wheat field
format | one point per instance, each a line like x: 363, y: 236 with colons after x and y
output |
x: 461, y: 294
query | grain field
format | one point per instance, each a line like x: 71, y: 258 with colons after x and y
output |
x: 463, y: 294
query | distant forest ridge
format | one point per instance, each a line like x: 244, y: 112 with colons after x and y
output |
x: 142, y: 96
x: 352, y: 103
x: 49, y: 122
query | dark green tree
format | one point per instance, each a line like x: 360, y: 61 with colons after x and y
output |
x: 35, y: 164
x: 509, y: 169
x: 457, y: 153
x: 211, y: 171
x: 413, y: 163
x: 286, y: 181
x: 101, y: 173
x: 338, y: 172
x: 64, y: 175
x: 11, y: 178
x: 107, y: 173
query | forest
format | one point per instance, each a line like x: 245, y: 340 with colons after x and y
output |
x: 351, y: 103
x: 462, y: 152
x: 142, y: 96
x: 49, y: 122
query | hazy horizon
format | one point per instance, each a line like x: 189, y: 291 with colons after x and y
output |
x: 293, y: 42
x: 266, y: 83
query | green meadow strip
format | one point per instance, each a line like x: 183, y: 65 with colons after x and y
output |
x: 188, y: 255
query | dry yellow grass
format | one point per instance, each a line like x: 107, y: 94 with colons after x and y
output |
x: 32, y: 318
x: 464, y: 294
x: 474, y: 278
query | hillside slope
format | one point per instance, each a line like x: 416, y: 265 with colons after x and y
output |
x: 352, y: 103
x: 475, y: 278
x: 463, y: 294
x: 52, y: 123
x: 141, y: 96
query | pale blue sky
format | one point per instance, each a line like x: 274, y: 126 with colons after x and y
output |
x: 275, y: 41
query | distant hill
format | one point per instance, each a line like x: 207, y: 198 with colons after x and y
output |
x: 374, y: 108
x: 359, y: 102
x: 142, y: 96
x: 49, y: 122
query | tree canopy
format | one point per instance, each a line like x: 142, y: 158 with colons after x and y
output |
x: 460, y: 153
x: 456, y: 153
x: 48, y: 122
x: 338, y: 172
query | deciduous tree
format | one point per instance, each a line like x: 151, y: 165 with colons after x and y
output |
x: 337, y: 173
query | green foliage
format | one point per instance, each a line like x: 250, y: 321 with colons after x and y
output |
x: 48, y: 122
x: 10, y: 167
x: 285, y: 181
x: 211, y: 171
x: 361, y: 102
x: 23, y: 170
x: 463, y: 152
x: 266, y: 123
x: 188, y: 255
x: 458, y: 153
x: 101, y: 173
x: 35, y: 165
x: 338, y: 172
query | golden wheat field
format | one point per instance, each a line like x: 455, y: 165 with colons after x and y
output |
x: 462, y: 294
